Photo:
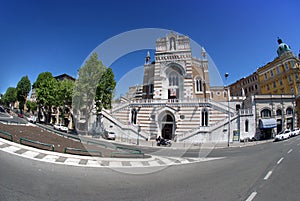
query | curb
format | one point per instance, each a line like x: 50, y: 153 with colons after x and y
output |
x: 89, y: 161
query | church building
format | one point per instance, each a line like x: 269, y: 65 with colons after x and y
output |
x: 175, y: 100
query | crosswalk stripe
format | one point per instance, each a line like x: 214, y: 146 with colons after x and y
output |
x: 30, y: 154
x: 11, y: 149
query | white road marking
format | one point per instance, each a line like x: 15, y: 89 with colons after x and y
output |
x: 94, y: 163
x: 290, y: 151
x: 115, y: 164
x: 154, y: 163
x: 50, y: 158
x: 252, y: 196
x: 278, y: 162
x: 30, y: 154
x: 166, y: 161
x: 268, y: 175
x: 11, y: 149
x: 136, y: 164
x: 72, y: 161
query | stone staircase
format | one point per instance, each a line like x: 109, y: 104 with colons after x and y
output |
x: 209, y: 129
x: 131, y: 128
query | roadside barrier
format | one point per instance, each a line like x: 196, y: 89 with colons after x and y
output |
x: 17, y: 122
x: 66, y: 149
x: 127, y: 152
x: 4, y: 121
x: 34, y: 143
x: 131, y: 150
x: 72, y: 137
x: 96, y: 143
x: 60, y: 133
x: 13, y: 122
x: 7, y: 134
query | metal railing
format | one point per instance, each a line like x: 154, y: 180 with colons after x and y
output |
x: 7, y: 134
x: 66, y: 149
x: 33, y: 143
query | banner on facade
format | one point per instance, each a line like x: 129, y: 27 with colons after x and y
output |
x: 172, y: 92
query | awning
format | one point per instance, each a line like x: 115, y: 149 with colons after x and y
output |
x: 267, y: 123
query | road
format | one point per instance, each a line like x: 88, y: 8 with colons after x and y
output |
x: 262, y: 172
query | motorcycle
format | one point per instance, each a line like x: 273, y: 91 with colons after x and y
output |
x: 163, y: 142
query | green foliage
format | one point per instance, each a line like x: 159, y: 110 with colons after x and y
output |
x: 65, y: 92
x: 86, y: 84
x: 46, y: 89
x: 31, y: 105
x: 105, y: 89
x: 10, y: 96
x: 23, y: 89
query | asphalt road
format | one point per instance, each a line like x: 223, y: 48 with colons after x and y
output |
x: 262, y: 172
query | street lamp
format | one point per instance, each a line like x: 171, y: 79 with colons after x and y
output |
x: 228, y: 140
x: 138, y: 134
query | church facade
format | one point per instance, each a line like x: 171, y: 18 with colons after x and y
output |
x: 176, y: 100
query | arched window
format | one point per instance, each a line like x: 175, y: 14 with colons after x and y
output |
x: 265, y: 113
x: 173, y: 79
x: 278, y: 112
x: 133, y: 116
x: 204, y: 117
x: 247, y: 126
x: 289, y: 111
x: 198, y: 84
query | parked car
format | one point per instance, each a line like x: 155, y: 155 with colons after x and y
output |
x: 60, y: 127
x: 283, y: 135
x: 109, y: 135
x: 32, y: 119
x: 295, y: 132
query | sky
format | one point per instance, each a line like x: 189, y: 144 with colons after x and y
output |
x: 58, y: 35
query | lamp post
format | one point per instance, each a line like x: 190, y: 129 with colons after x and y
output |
x: 138, y: 134
x: 294, y: 109
x: 228, y: 137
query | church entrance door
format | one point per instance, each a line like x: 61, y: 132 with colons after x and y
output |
x: 168, y: 127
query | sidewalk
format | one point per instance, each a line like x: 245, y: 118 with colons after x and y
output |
x: 180, y: 145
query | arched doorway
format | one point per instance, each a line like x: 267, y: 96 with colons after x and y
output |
x: 168, y: 126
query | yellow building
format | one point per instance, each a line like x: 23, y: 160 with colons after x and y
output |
x: 281, y: 76
x: 278, y: 77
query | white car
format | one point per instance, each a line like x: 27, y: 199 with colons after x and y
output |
x: 283, y: 135
x: 60, y: 127
x: 110, y: 135
x: 295, y: 132
x: 32, y: 119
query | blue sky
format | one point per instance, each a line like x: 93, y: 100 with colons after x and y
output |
x: 58, y: 35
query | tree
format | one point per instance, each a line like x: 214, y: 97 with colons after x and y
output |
x: 105, y: 89
x: 31, y: 106
x: 1, y: 99
x: 85, y: 86
x: 46, y: 93
x: 10, y: 96
x: 64, y: 94
x: 23, y: 89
